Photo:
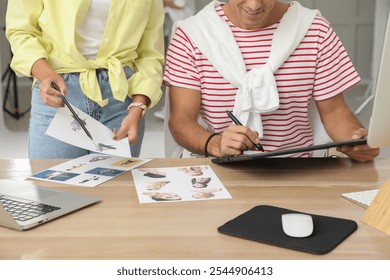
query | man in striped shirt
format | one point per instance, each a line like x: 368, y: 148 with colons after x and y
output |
x: 318, y: 68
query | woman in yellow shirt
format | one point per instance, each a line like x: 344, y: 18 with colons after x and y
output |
x: 105, y: 56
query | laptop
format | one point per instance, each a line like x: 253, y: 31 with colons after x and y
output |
x: 24, y: 205
x: 378, y: 133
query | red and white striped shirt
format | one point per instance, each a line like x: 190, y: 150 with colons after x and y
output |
x: 319, y: 68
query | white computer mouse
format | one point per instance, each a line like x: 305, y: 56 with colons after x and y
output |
x: 297, y: 225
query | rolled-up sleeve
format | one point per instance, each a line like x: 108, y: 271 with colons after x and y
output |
x: 148, y: 78
x: 24, y: 36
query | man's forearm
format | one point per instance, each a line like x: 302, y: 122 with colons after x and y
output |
x: 192, y: 136
x: 342, y: 125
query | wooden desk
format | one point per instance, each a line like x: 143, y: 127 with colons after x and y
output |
x: 121, y: 228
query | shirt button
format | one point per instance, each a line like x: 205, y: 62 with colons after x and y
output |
x: 107, y: 40
x: 113, y: 15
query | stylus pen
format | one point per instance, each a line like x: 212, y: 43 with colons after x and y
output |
x: 237, y: 122
x: 76, y: 117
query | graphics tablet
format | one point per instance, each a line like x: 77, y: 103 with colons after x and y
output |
x: 260, y: 155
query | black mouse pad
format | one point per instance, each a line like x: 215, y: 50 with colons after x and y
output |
x: 263, y: 223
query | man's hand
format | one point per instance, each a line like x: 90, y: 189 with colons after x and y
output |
x: 360, y: 153
x: 236, y: 139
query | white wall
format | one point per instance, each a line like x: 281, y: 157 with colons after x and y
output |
x: 201, y: 3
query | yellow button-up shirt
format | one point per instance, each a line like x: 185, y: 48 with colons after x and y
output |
x: 133, y: 37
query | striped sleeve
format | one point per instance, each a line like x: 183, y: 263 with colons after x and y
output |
x: 335, y: 72
x: 180, y: 68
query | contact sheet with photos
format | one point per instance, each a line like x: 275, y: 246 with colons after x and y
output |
x: 174, y: 184
x: 89, y: 170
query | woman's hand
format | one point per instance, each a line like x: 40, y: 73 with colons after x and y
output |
x: 46, y: 75
x: 129, y: 126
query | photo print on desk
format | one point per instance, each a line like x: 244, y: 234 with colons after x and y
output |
x: 174, y: 184
x: 89, y: 170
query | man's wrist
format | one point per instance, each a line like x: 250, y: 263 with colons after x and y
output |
x: 212, y: 145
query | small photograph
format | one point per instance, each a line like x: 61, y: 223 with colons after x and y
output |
x: 153, y: 173
x: 193, y: 170
x: 89, y: 179
x: 75, y: 124
x: 105, y: 171
x: 200, y: 182
x: 99, y: 158
x: 73, y: 167
x: 155, y: 186
x: 205, y: 194
x: 55, y: 175
x: 162, y: 196
x: 126, y: 162
x: 104, y: 147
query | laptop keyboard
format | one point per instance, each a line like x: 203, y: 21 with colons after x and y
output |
x: 24, y: 210
x: 362, y: 198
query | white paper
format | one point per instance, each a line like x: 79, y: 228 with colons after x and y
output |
x: 174, y: 184
x: 89, y: 170
x: 65, y: 128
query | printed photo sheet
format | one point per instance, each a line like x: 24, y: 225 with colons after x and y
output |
x: 90, y: 170
x: 64, y: 127
x: 174, y: 184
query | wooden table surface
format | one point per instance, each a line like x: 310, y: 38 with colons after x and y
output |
x: 119, y: 227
